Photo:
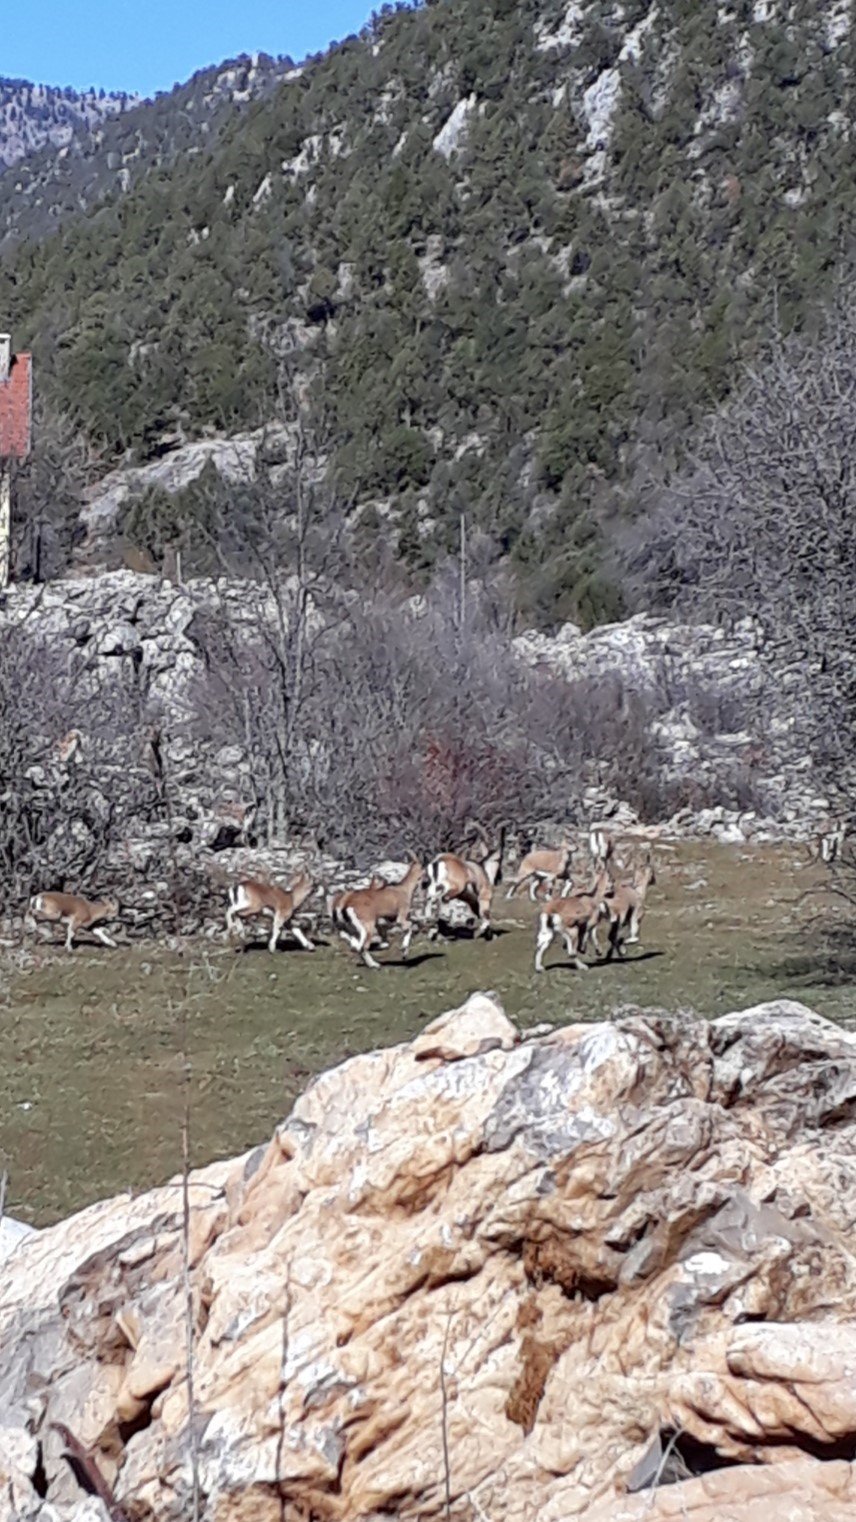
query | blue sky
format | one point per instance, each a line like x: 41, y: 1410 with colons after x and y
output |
x: 147, y: 45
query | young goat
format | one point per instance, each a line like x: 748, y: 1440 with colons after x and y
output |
x: 574, y: 919
x: 451, y: 878
x: 250, y: 898
x: 76, y: 914
x: 541, y: 868
x: 626, y: 906
x: 357, y: 913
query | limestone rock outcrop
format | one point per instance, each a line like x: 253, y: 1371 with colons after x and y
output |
x: 652, y: 653
x: 151, y: 633
x: 604, y: 1272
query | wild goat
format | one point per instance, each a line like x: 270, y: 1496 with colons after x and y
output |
x: 75, y: 913
x: 574, y: 919
x: 626, y: 906
x: 455, y: 878
x: 250, y: 898
x: 601, y: 850
x: 357, y: 913
x: 831, y: 842
x: 601, y: 846
x: 541, y: 868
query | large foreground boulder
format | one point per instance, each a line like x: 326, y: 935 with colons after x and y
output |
x: 604, y: 1273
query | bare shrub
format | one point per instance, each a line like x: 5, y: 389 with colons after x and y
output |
x: 70, y: 773
x: 49, y: 487
x: 759, y: 523
x: 411, y: 726
x: 717, y: 711
x: 425, y: 731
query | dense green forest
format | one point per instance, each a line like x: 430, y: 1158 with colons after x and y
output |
x: 520, y: 246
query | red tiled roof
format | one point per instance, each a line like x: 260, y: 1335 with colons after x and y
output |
x: 16, y: 396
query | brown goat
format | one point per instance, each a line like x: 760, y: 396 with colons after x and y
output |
x: 250, y: 897
x: 357, y: 913
x: 75, y: 913
x: 472, y: 883
x: 541, y: 868
x: 625, y: 907
x: 574, y: 919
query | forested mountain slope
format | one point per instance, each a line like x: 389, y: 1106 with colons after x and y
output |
x: 523, y: 243
x: 70, y: 151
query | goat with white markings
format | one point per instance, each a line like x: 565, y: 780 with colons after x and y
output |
x: 574, y: 919
x: 359, y: 912
x: 601, y: 846
x: 453, y: 879
x: 251, y: 897
x: 76, y: 914
x: 601, y: 849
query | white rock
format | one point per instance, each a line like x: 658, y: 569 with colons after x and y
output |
x: 12, y: 1234
x: 453, y: 132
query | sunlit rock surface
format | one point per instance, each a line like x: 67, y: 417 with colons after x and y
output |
x: 607, y: 1272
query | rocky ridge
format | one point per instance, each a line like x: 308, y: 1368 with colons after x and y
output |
x: 648, y: 652
x: 34, y: 117
x: 67, y: 151
x: 603, y: 1271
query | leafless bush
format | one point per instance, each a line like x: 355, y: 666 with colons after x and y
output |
x: 718, y: 711
x: 48, y: 492
x: 759, y: 523
x: 410, y: 726
x: 423, y: 731
x: 69, y: 771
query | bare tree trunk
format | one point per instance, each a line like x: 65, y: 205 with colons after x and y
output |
x: 5, y: 523
x: 462, y: 582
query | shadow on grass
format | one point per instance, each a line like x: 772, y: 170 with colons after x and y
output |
x: 605, y: 962
x: 414, y: 961
x: 628, y: 961
x: 288, y: 947
x: 448, y: 932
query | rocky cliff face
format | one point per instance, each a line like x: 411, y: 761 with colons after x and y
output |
x: 598, y: 1272
x: 33, y: 117
x: 701, y: 739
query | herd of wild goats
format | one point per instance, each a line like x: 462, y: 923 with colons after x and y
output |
x: 364, y: 916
